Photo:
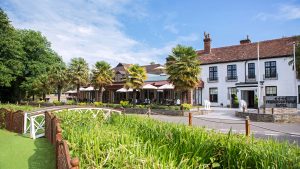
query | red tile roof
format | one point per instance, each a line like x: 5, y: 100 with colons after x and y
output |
x: 268, y: 49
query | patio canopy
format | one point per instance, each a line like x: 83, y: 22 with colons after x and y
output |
x: 71, y: 91
x: 166, y: 86
x: 149, y: 86
x: 124, y: 90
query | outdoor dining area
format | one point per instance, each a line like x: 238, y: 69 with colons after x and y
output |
x: 150, y: 94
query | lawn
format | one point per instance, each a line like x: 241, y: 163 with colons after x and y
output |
x: 15, y: 107
x: 138, y: 142
x: 18, y: 152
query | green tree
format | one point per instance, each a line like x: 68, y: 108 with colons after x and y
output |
x: 38, y: 60
x: 59, y: 77
x: 183, y: 68
x: 79, y: 73
x: 102, y: 75
x: 136, y: 76
x: 41, y: 85
x: 11, y: 53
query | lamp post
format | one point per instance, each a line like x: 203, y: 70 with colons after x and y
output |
x: 258, y: 84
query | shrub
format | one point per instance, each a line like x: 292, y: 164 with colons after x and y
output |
x: 70, y: 102
x: 256, y: 102
x: 40, y: 102
x: 124, y: 104
x: 98, y: 104
x: 235, y: 101
x: 186, y: 106
x: 141, y: 106
x: 57, y: 103
x: 82, y: 104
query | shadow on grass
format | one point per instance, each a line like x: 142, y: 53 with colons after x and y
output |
x: 44, y: 155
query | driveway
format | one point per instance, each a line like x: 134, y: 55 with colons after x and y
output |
x: 224, y: 120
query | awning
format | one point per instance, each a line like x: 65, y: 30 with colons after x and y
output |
x: 166, y: 86
x: 149, y: 87
x: 87, y: 89
x: 71, y: 91
x: 123, y: 90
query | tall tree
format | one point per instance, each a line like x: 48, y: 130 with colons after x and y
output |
x: 39, y: 57
x: 79, y: 73
x: 11, y: 53
x: 59, y: 77
x: 101, y: 77
x: 183, y: 68
x: 136, y: 76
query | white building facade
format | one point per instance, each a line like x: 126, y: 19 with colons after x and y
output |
x: 235, y: 70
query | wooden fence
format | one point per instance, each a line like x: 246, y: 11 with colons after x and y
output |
x: 53, y: 133
x: 12, y: 121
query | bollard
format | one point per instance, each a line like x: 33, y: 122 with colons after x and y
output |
x: 149, y: 111
x: 247, y: 125
x: 272, y: 110
x: 244, y: 109
x: 190, y: 119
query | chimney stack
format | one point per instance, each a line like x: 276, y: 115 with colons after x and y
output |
x: 245, y: 41
x: 207, y: 43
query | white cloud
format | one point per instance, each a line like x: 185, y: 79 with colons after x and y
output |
x: 171, y: 28
x: 89, y: 29
x: 284, y: 12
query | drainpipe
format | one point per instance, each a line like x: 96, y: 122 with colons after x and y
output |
x: 246, y: 70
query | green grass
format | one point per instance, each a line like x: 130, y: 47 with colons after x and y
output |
x: 18, y: 152
x: 15, y: 107
x: 139, y: 142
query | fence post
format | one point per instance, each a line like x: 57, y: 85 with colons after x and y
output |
x: 149, y: 111
x: 190, y: 119
x: 25, y: 123
x: 58, y: 139
x: 75, y: 163
x: 247, y: 125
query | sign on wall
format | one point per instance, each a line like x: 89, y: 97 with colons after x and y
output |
x: 281, y: 101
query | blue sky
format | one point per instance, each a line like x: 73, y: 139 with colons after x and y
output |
x: 141, y: 31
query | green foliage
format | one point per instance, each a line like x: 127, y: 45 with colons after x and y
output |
x: 183, y: 68
x: 139, y: 142
x: 136, y: 76
x: 256, y: 102
x: 58, y: 77
x: 14, y: 107
x: 78, y: 72
x: 186, y: 106
x: 124, y: 104
x: 26, y: 58
x: 98, y: 104
x: 11, y: 52
x: 235, y: 100
x: 141, y: 106
x: 102, y: 75
x: 70, y: 102
x: 57, y: 103
x: 81, y: 104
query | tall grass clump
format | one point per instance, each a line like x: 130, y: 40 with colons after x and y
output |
x: 14, y: 107
x: 139, y: 142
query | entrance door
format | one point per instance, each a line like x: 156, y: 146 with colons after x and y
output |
x: 251, y: 99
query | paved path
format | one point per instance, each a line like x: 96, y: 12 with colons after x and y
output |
x: 223, y: 120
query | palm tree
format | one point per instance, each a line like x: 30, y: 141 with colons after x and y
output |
x: 59, y: 77
x: 136, y: 75
x: 183, y: 68
x: 102, y: 75
x: 79, y: 73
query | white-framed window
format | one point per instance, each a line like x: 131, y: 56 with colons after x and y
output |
x: 213, y: 95
x: 271, y: 91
